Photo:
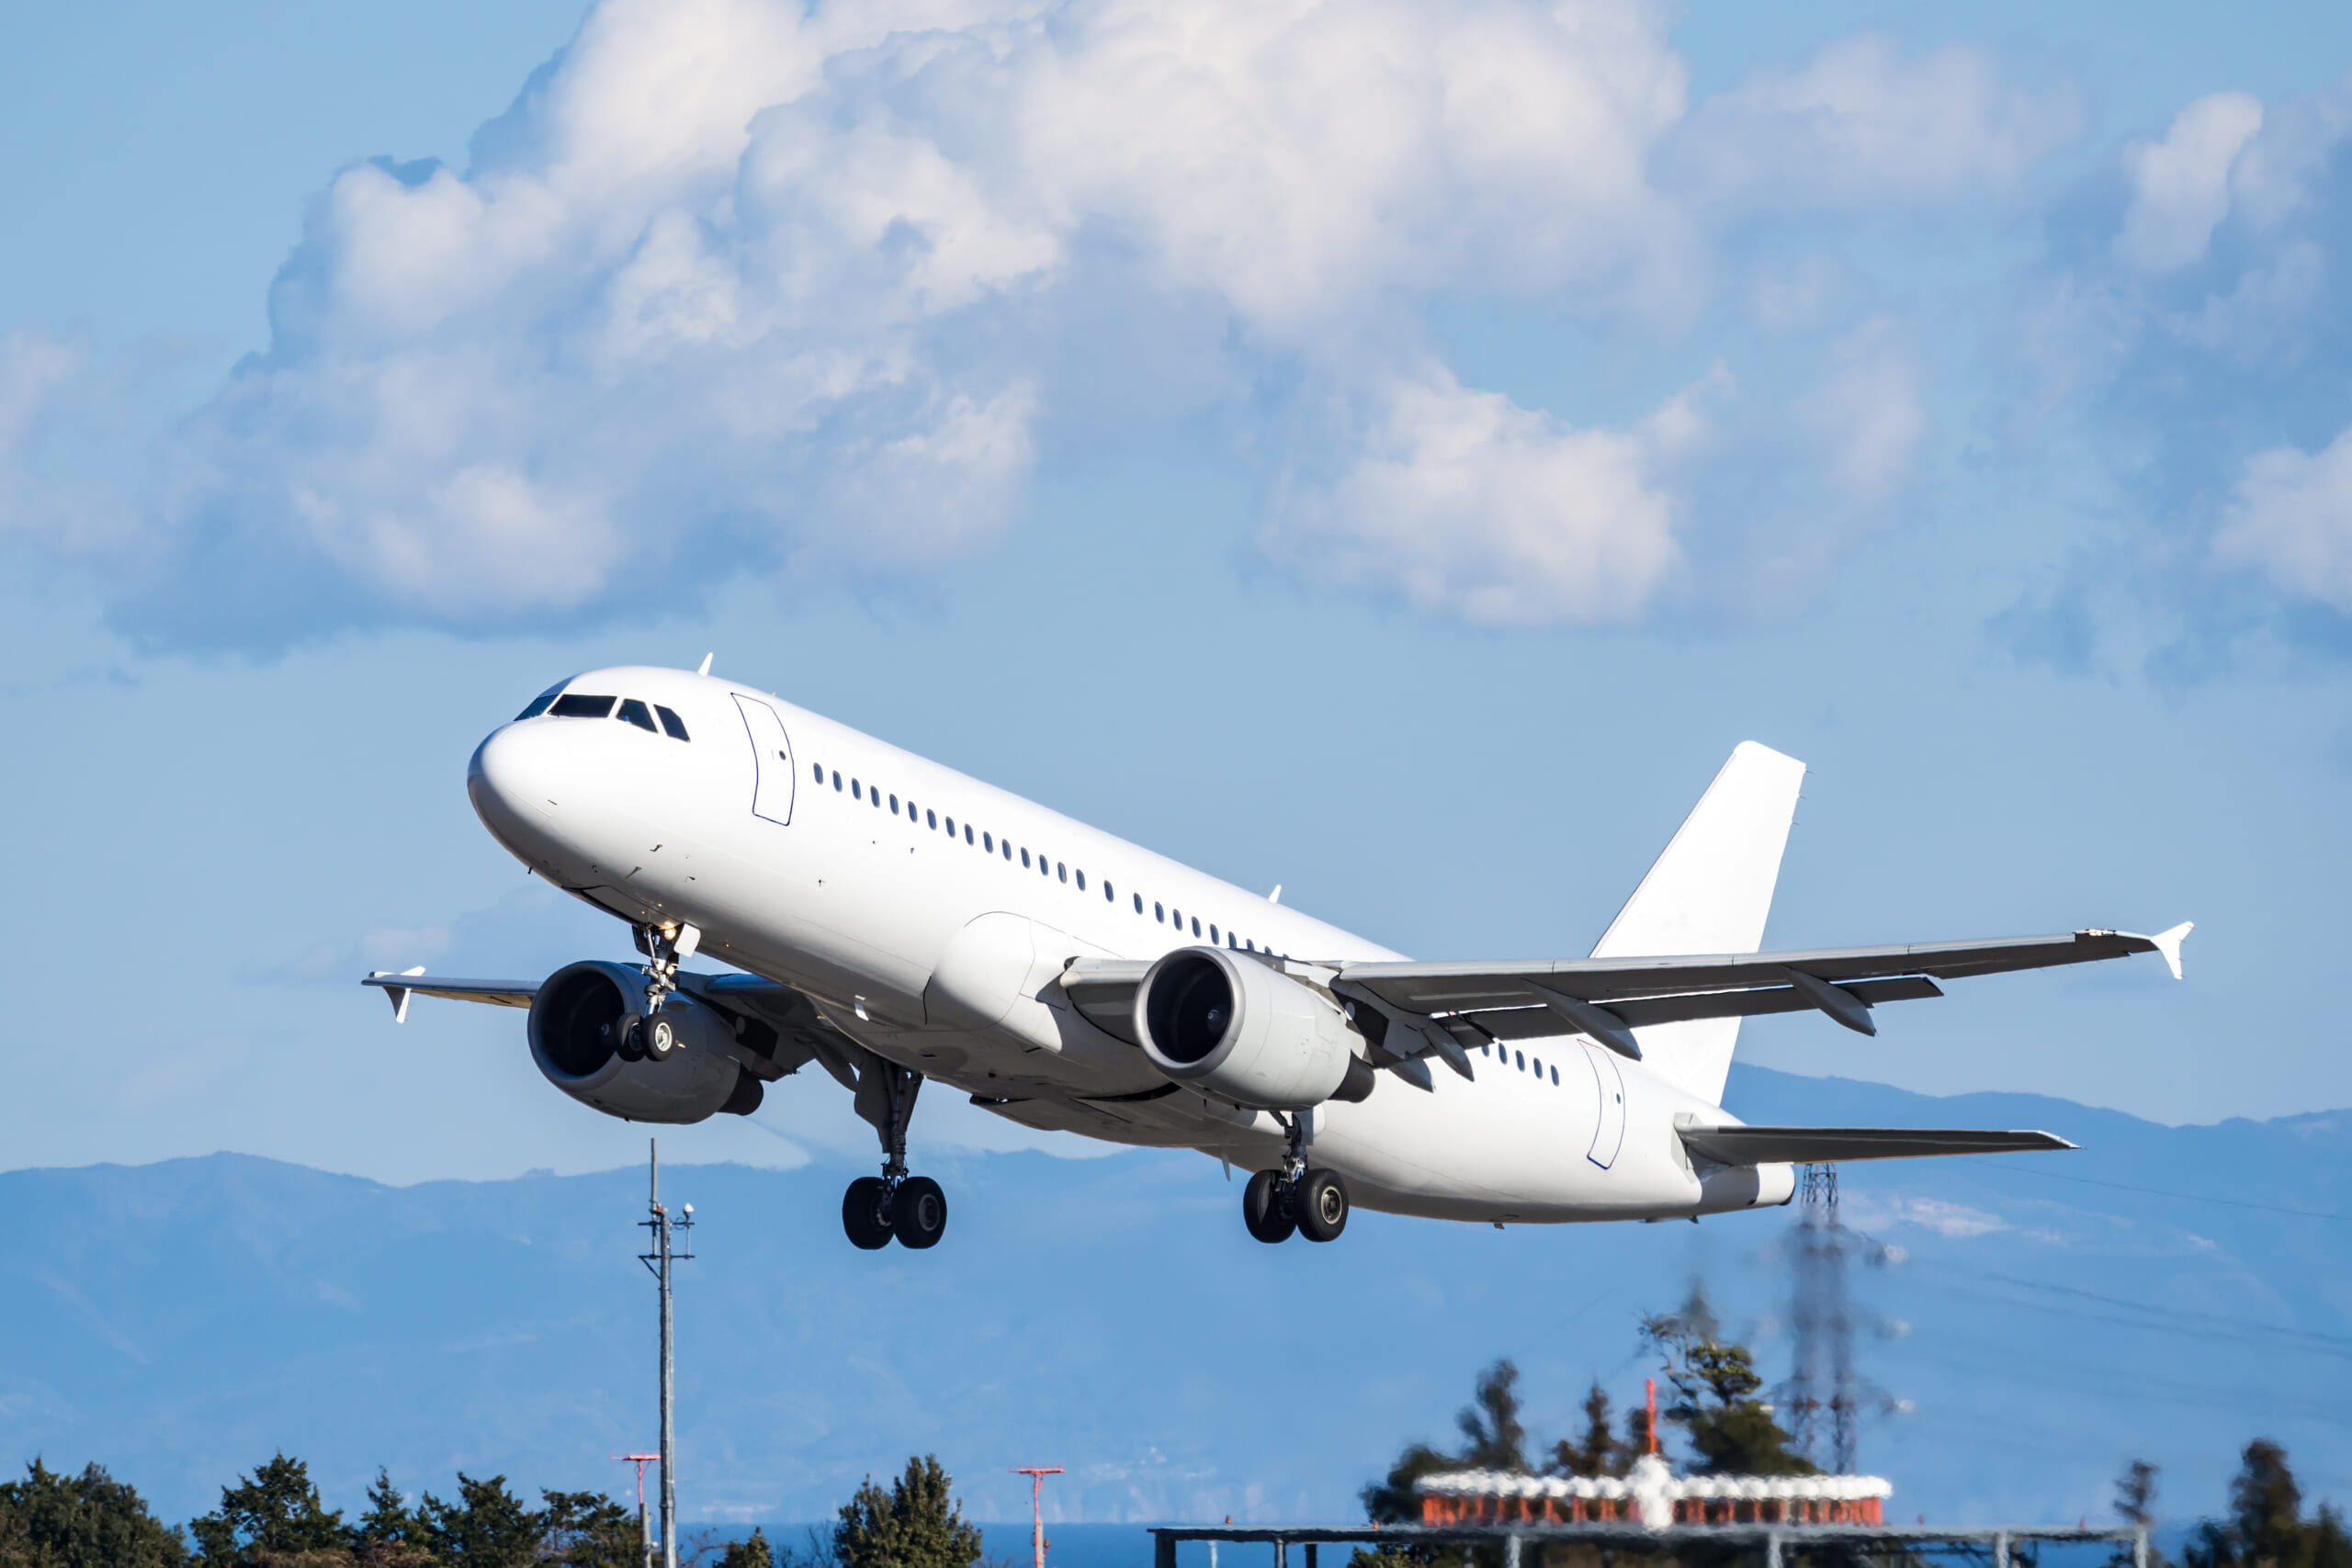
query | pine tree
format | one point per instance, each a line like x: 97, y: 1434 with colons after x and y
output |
x: 90, y: 1520
x: 2266, y: 1527
x: 1498, y: 1438
x: 587, y: 1529
x: 272, y: 1517
x: 488, y: 1527
x: 916, y: 1524
x: 1715, y: 1386
x: 1599, y: 1451
x: 752, y: 1551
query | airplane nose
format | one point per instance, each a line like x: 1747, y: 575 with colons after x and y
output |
x: 507, y: 780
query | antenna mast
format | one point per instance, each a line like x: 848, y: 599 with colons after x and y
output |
x: 672, y: 1242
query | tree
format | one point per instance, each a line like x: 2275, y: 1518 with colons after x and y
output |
x: 586, y: 1530
x: 2266, y: 1527
x: 488, y: 1527
x: 1599, y: 1451
x: 1498, y: 1438
x: 390, y: 1534
x: 1715, y: 1385
x: 270, y: 1517
x: 752, y: 1551
x: 2135, y: 1494
x: 90, y: 1520
x: 916, y: 1524
x: 1392, y: 1500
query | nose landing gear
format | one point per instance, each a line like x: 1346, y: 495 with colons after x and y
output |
x: 1291, y: 1198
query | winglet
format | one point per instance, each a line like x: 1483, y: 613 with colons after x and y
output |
x: 397, y: 995
x: 705, y: 669
x: 2168, y: 944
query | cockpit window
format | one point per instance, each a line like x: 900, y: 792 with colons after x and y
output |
x: 673, y: 723
x: 635, y: 713
x: 540, y: 704
x: 576, y: 705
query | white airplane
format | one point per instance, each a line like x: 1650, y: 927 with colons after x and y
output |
x: 898, y: 923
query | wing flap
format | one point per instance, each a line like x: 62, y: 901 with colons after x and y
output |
x: 1829, y: 1146
x: 1531, y: 1023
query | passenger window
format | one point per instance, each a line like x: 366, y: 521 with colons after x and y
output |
x: 1556, y: 1076
x: 1159, y: 914
x: 1138, y: 903
x: 1005, y: 848
x: 637, y: 714
x: 931, y: 820
x: 540, y: 704
x: 1539, y: 1066
x: 988, y: 844
x: 820, y: 772
x: 837, y: 781
x: 1024, y: 860
x: 857, y: 791
x: 876, y: 796
x: 1081, y: 882
x: 676, y: 727
x: 579, y: 706
x: 1196, y: 925
x: 1212, y: 930
x: 894, y: 805
x: 968, y: 833
x: 1522, y: 1061
x: 1177, y: 917
x: 1061, y: 873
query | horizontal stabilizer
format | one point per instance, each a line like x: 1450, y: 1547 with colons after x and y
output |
x: 1830, y: 1146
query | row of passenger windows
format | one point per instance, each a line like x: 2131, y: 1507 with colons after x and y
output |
x: 579, y: 705
x: 988, y: 843
x: 1507, y: 1056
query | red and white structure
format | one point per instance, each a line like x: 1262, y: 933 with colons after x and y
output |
x: 1651, y: 1495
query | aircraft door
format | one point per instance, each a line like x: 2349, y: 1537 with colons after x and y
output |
x: 1609, y: 1131
x: 774, y: 777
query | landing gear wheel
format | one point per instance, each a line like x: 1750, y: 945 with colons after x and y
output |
x: 1321, y: 1205
x: 660, y: 1037
x: 628, y: 1032
x: 863, y: 1213
x: 919, y: 1213
x: 1266, y: 1207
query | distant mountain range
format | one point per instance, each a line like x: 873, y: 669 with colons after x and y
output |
x: 2044, y: 1318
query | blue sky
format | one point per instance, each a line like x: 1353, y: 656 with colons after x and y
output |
x: 1391, y: 451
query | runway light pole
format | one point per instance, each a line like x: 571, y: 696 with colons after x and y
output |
x: 673, y: 1243
x: 1037, y: 1474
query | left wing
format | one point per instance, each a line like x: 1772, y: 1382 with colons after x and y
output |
x: 417, y: 983
x: 1608, y: 999
x: 1830, y: 1146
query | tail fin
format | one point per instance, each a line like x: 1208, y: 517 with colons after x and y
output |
x: 1710, y: 892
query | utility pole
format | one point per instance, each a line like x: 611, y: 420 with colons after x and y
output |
x: 644, y: 1529
x: 672, y: 1242
x: 1037, y: 1474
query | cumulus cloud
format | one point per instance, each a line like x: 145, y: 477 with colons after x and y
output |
x: 2180, y: 185
x: 812, y: 287
x: 1865, y: 412
x: 1461, y: 501
x: 2291, y: 519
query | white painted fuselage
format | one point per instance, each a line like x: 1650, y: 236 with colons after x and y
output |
x: 929, y: 916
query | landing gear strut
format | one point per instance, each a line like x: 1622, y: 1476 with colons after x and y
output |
x: 665, y: 947
x: 1291, y: 1198
x: 875, y: 1208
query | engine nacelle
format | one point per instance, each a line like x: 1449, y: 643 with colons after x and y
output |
x: 578, y: 1021
x: 1240, y: 1031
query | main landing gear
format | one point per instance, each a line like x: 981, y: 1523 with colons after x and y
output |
x: 1291, y: 1198
x: 877, y: 1208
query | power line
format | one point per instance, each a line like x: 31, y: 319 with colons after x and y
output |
x: 2161, y: 1192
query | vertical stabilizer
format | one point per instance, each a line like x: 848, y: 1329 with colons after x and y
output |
x: 1710, y: 892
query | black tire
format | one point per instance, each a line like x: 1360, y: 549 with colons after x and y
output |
x: 660, y: 1037
x: 631, y: 1030
x: 1321, y: 1205
x: 862, y: 1216
x: 919, y: 1215
x: 1266, y: 1208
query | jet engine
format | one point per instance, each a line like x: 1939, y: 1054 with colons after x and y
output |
x: 584, y: 1013
x: 1241, y: 1032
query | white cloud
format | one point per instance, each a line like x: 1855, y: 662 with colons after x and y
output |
x: 798, y: 285
x: 1861, y: 124
x: 2291, y: 519
x: 1867, y: 414
x: 1464, y: 502
x: 2180, y: 186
